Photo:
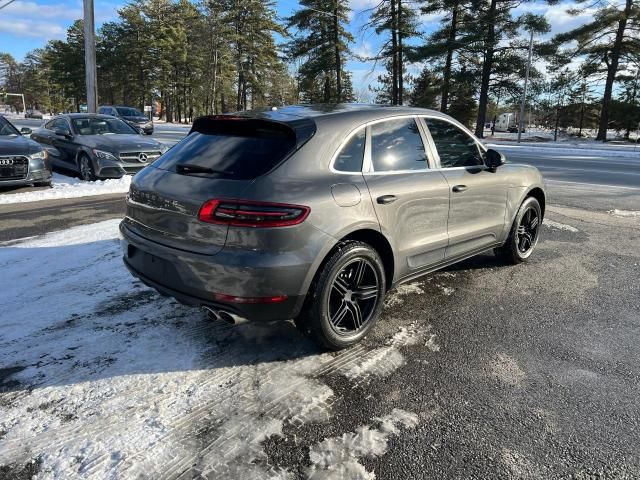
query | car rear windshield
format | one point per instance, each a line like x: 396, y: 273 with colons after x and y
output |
x: 230, y: 147
x: 129, y: 112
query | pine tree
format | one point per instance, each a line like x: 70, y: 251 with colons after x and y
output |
x: 397, y: 20
x: 607, y: 40
x: 321, y: 43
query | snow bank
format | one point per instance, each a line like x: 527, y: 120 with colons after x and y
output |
x: 559, y: 226
x: 568, y: 149
x: 624, y: 213
x: 69, y: 187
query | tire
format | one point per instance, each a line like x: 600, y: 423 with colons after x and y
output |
x: 43, y: 184
x: 346, y: 297
x: 86, y: 169
x: 523, y: 237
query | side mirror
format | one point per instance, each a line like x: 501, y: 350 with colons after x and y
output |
x: 62, y: 132
x: 494, y: 159
x: 26, y: 131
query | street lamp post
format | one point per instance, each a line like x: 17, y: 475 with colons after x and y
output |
x: 90, y: 57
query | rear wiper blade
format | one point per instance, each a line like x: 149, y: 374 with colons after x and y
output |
x: 187, y: 169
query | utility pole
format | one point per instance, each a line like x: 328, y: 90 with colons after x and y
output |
x: 21, y: 95
x: 90, y: 57
x: 524, y: 93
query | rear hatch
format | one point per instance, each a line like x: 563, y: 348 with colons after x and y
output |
x: 219, y: 159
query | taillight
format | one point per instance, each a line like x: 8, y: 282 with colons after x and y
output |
x: 248, y: 213
x: 223, y: 297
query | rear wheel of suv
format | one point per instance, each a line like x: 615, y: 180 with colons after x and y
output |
x: 86, y: 169
x: 346, y: 298
x: 524, y: 233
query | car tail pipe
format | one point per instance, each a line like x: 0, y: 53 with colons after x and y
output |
x: 218, y: 314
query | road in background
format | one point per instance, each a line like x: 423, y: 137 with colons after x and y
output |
x: 21, y: 220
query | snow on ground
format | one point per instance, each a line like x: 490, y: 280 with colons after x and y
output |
x: 337, y: 458
x: 586, y: 150
x: 101, y: 377
x: 559, y: 226
x: 69, y: 187
x: 624, y: 213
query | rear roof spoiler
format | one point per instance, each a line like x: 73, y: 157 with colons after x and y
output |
x: 302, y: 128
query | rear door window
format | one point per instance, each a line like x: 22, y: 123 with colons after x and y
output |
x: 397, y: 145
x: 235, y: 148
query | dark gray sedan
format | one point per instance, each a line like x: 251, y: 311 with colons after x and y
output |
x: 96, y: 146
x: 313, y: 213
x: 22, y: 161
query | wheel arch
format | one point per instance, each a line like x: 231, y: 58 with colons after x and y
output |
x: 369, y: 236
x: 380, y: 244
x: 538, y: 194
x: 84, y: 151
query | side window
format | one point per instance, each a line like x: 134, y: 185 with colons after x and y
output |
x: 397, y: 145
x: 50, y: 125
x: 455, y: 147
x: 103, y: 111
x: 350, y: 157
x: 60, y: 123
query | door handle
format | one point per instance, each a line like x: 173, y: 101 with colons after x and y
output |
x: 459, y: 188
x: 386, y: 199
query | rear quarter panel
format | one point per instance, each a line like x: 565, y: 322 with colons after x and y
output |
x: 305, y: 179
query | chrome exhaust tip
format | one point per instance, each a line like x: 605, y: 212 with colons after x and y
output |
x: 228, y: 317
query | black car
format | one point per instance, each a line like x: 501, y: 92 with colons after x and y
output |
x: 132, y: 116
x: 22, y: 161
x: 96, y: 146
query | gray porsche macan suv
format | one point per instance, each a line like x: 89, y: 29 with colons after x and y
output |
x: 312, y: 213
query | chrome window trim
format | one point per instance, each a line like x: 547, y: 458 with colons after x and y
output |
x: 481, y: 147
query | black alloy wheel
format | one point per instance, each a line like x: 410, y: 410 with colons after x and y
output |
x: 353, y: 296
x: 346, y: 297
x: 528, y: 230
x: 524, y: 234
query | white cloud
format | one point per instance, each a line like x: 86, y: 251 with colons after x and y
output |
x: 31, y: 28
x: 358, y: 5
x: 557, y: 16
x: 561, y: 21
x: 364, y: 49
x: 28, y: 19
x: 58, y: 11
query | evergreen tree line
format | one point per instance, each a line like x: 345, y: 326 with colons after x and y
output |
x: 216, y: 56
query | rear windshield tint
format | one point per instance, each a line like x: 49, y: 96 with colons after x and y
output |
x: 238, y: 148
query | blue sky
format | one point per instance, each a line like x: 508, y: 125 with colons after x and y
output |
x: 29, y: 24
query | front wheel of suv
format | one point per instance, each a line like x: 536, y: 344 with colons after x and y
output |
x: 346, y: 298
x: 524, y: 233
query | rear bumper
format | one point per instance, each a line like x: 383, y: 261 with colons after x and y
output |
x: 193, y: 279
x: 261, y: 312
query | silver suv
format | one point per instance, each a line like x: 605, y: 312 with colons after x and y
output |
x: 313, y: 213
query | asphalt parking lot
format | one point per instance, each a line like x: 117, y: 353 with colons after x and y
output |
x: 480, y: 371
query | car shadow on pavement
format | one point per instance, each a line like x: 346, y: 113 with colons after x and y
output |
x: 479, y: 262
